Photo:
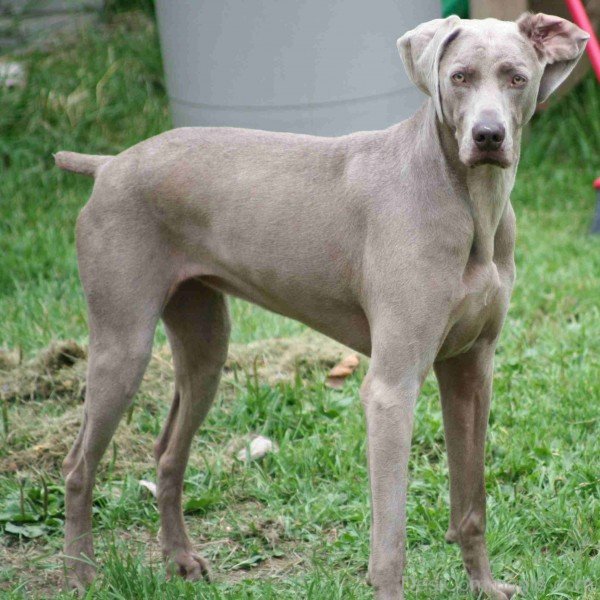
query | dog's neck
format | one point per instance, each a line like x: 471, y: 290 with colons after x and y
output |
x: 486, y: 189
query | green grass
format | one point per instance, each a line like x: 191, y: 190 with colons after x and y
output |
x: 101, y: 92
x: 300, y: 518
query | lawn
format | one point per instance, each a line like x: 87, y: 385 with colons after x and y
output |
x: 295, y: 524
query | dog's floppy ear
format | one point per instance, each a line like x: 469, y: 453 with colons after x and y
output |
x: 558, y: 43
x: 421, y: 50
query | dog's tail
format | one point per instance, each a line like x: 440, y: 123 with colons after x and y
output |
x: 85, y: 164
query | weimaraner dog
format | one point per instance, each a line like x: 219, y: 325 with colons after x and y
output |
x: 398, y: 243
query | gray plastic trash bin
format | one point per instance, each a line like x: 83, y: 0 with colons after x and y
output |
x: 326, y: 67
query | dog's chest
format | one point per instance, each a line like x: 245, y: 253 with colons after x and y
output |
x: 479, y: 302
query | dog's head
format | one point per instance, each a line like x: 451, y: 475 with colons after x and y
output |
x: 485, y: 77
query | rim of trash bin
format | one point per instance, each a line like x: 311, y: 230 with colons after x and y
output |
x: 266, y: 107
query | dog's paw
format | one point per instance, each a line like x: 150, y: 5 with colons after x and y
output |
x: 496, y: 590
x: 190, y: 566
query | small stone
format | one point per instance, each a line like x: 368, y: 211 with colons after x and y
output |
x: 260, y: 446
x: 12, y: 75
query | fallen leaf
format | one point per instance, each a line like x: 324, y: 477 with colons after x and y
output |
x: 149, y: 485
x: 345, y: 368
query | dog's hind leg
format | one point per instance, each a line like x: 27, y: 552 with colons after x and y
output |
x: 126, y: 284
x: 118, y: 355
x: 197, y: 323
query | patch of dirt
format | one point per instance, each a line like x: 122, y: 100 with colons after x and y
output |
x: 39, y: 564
x: 42, y: 402
x: 245, y: 526
x: 273, y: 566
x: 43, y: 397
x: 281, y: 359
x: 58, y: 370
x: 30, y: 561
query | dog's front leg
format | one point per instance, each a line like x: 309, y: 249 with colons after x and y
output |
x: 466, y: 387
x: 389, y: 401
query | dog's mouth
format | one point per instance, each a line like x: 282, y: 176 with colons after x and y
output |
x: 496, y: 158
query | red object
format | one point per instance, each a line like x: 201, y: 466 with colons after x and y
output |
x: 597, y: 183
x: 580, y: 17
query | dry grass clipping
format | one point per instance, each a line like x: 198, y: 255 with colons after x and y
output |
x: 39, y: 436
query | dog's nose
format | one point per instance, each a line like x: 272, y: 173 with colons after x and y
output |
x: 488, y: 135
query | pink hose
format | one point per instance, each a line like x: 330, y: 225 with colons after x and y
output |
x: 580, y: 17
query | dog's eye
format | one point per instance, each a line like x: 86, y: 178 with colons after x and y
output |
x: 518, y: 80
x: 458, y: 77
